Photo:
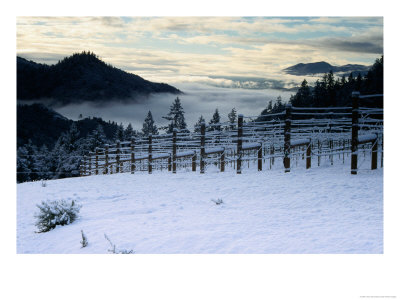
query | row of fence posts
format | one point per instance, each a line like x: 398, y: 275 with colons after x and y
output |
x: 287, y: 148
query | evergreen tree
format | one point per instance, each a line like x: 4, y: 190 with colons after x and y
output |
x: 269, y: 107
x: 44, y: 163
x: 69, y: 139
x: 216, y: 119
x: 176, y: 116
x: 67, y: 153
x: 119, y: 133
x: 23, y: 165
x: 129, y: 132
x: 95, y: 139
x: 303, y: 96
x: 197, y: 126
x: 279, y: 103
x: 319, y: 94
x: 374, y: 78
x: 148, y: 126
x: 232, y: 118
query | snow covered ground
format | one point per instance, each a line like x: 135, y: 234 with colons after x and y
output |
x: 320, y: 210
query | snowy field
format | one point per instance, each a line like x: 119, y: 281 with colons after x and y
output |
x: 321, y: 210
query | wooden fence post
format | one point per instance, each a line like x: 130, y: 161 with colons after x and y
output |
x: 117, y: 168
x: 202, y: 147
x: 354, y: 132
x: 382, y: 153
x: 83, y: 166
x: 174, y: 150
x: 272, y: 159
x: 97, y: 161
x: 150, y: 159
x: 374, y: 156
x: 90, y: 164
x: 239, y: 144
x: 260, y: 155
x: 106, y: 159
x: 222, y: 161
x: 319, y: 152
x: 286, y: 146
x: 330, y: 144
x: 344, y: 149
x: 132, y: 155
x: 169, y: 163
x: 308, y: 156
x: 194, y: 158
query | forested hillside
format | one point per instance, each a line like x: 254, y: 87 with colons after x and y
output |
x: 82, y: 77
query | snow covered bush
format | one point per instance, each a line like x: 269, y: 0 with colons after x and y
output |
x: 53, y: 213
x: 218, y: 201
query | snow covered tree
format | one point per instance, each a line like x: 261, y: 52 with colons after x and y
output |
x: 119, y: 133
x: 232, y: 118
x: 67, y: 153
x: 129, y: 132
x: 96, y: 138
x: 27, y: 162
x: 44, y: 163
x: 176, y: 116
x: 23, y: 165
x: 148, y: 126
x: 216, y: 119
x: 269, y: 107
x: 197, y: 126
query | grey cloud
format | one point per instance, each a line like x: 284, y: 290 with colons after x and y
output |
x: 43, y: 57
x: 197, y: 100
x: 368, y: 44
x: 112, y: 21
x: 373, y: 47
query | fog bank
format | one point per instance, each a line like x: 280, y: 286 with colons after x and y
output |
x: 198, y: 99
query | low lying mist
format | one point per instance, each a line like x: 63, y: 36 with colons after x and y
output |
x: 198, y: 99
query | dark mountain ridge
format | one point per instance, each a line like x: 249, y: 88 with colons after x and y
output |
x: 324, y: 67
x: 43, y: 126
x: 82, y: 77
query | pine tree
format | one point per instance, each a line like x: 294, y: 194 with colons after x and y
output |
x: 148, y: 126
x: 216, y: 119
x: 23, y: 168
x: 269, y: 107
x: 303, y: 96
x: 176, y: 116
x: 67, y: 153
x: 96, y: 138
x: 44, y: 163
x: 129, y: 132
x: 197, y: 126
x: 232, y: 118
x: 119, y: 133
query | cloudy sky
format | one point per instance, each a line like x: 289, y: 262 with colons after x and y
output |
x: 211, y: 50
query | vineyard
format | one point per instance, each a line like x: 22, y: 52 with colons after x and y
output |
x: 292, y: 136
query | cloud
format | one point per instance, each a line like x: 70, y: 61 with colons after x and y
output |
x: 199, y: 99
x: 167, y: 48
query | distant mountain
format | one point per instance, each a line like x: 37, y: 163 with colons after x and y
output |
x: 43, y: 126
x: 82, y: 77
x: 324, y: 67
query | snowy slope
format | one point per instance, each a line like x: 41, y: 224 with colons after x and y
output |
x: 321, y: 210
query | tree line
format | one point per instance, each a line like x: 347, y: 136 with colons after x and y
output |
x: 63, y: 160
x: 333, y: 92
